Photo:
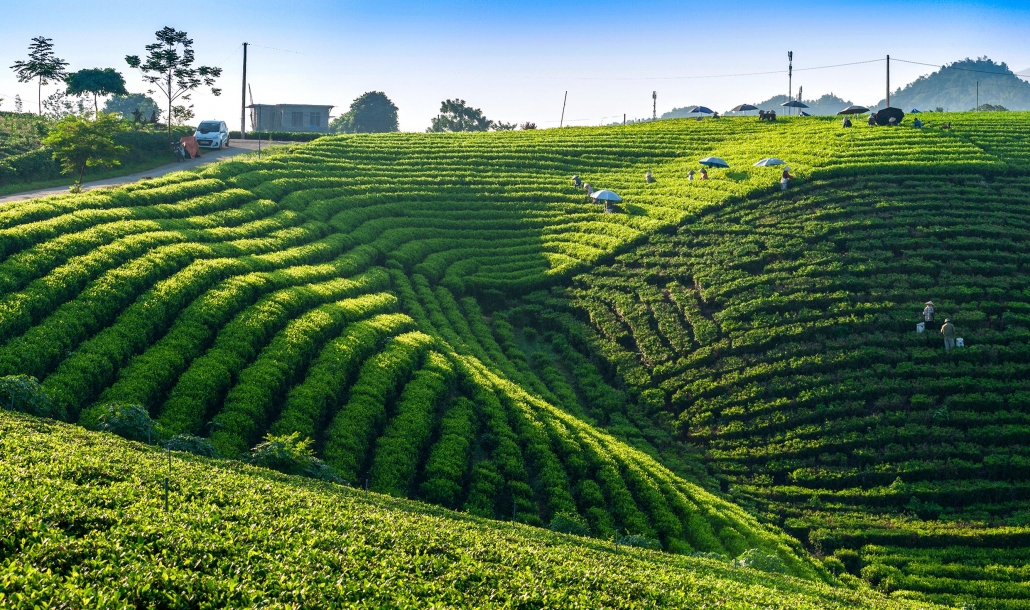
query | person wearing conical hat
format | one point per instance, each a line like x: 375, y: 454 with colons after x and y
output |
x: 928, y: 312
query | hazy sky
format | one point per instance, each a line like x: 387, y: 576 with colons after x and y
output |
x: 515, y: 60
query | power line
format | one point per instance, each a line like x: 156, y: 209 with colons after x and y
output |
x: 702, y: 76
x: 276, y: 49
x: 236, y: 50
x: 943, y: 67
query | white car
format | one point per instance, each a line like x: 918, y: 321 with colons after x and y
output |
x: 212, y: 134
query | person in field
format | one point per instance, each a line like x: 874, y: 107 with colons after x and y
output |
x: 648, y: 178
x: 690, y: 175
x: 948, y: 330
x: 928, y: 313
x: 704, y: 174
x: 590, y: 189
x: 917, y: 123
x: 576, y: 182
x: 785, y: 178
x: 846, y: 123
x: 872, y: 120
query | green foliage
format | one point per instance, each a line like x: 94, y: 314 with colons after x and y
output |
x: 169, y: 68
x: 456, y: 116
x: 187, y: 443
x: 43, y: 66
x: 280, y: 136
x: 756, y: 559
x: 74, y: 499
x: 126, y: 420
x: 290, y: 454
x: 954, y: 87
x: 79, y: 143
x: 23, y: 393
x: 97, y: 82
x: 370, y: 112
x: 128, y: 104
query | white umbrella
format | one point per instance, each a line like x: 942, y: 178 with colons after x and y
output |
x: 606, y: 195
x: 769, y: 161
x: 714, y: 162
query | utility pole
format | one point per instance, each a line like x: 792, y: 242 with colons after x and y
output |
x: 654, y: 108
x: 790, y: 77
x: 562, y: 122
x: 623, y: 124
x: 243, y: 97
x: 978, y: 96
x: 888, y: 81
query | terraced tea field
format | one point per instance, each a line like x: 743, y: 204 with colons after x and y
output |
x: 711, y: 367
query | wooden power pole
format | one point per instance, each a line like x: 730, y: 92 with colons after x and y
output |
x: 243, y: 97
x: 562, y: 122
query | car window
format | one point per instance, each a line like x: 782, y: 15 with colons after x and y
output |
x: 209, y: 127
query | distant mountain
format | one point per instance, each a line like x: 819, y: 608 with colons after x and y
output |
x: 954, y: 86
x: 827, y: 104
x: 1025, y: 74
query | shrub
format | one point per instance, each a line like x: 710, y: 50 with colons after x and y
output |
x: 567, y: 523
x: 23, y: 393
x: 643, y: 542
x: 126, y: 420
x: 756, y: 559
x: 290, y: 454
x: 188, y: 443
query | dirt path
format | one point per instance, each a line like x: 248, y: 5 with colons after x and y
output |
x: 236, y: 147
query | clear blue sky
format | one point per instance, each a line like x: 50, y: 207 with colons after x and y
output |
x: 515, y: 60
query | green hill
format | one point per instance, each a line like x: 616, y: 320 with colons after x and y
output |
x: 777, y: 335
x: 954, y: 87
x: 82, y: 525
x: 451, y: 321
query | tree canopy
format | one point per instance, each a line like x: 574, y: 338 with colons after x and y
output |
x: 127, y: 105
x: 79, y: 143
x: 456, y: 115
x: 96, y: 81
x: 43, y: 66
x: 372, y: 112
x: 169, y: 67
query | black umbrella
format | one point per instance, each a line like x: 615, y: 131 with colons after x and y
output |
x: 884, y: 116
x: 794, y: 104
x: 854, y: 110
x: 743, y: 108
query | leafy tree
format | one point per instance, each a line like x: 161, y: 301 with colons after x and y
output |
x: 502, y: 126
x: 372, y: 112
x: 98, y: 82
x: 43, y: 66
x: 527, y: 126
x: 169, y: 67
x: 128, y: 105
x: 290, y: 454
x: 79, y: 143
x: 455, y: 115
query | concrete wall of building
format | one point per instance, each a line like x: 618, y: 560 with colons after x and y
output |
x: 290, y: 117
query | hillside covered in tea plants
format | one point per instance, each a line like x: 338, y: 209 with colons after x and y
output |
x: 83, y: 526
x: 713, y: 368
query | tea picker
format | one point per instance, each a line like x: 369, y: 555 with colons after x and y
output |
x: 608, y: 197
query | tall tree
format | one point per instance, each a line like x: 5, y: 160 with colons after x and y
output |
x: 133, y: 104
x: 169, y: 67
x: 455, y: 115
x: 79, y: 143
x: 372, y: 112
x: 42, y: 66
x: 98, y: 82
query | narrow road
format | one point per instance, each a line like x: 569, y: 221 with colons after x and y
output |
x: 236, y: 147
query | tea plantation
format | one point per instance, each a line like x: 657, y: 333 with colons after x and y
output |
x: 83, y: 526
x: 716, y: 368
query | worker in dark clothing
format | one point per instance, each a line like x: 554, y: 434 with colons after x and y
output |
x: 576, y: 182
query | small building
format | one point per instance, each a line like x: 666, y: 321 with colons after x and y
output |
x: 289, y: 117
